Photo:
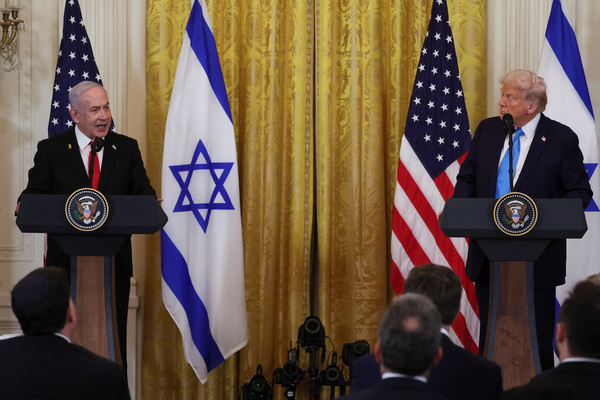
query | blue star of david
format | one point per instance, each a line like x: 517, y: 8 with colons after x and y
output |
x: 183, y: 176
x: 590, y: 168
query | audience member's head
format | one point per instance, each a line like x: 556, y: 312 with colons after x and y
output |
x: 409, y: 335
x: 40, y: 301
x: 578, y: 328
x: 594, y: 278
x: 440, y: 284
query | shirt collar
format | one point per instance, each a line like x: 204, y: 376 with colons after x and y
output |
x: 63, y: 336
x: 82, y: 140
x: 387, y: 375
x: 530, y: 127
x: 580, y: 359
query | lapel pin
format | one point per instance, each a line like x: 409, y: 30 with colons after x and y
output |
x: 70, y: 147
x: 114, y: 147
x: 543, y: 138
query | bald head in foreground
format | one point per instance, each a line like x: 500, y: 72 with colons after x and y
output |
x: 409, y: 345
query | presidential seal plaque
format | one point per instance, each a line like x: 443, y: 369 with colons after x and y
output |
x: 86, y: 209
x: 515, y: 214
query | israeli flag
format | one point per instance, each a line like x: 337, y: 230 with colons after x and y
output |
x: 202, y: 253
x: 569, y: 102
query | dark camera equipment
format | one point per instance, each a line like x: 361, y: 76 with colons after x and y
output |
x: 290, y: 375
x: 351, y: 351
x: 333, y: 376
x: 311, y: 333
x: 258, y: 388
x: 311, y: 337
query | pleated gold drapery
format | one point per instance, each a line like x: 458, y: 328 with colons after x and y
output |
x: 319, y: 92
x: 367, y: 58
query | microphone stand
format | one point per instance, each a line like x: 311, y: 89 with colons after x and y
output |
x: 96, y: 147
x: 510, y: 131
x: 91, y: 173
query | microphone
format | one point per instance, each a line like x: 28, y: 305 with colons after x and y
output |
x: 99, y: 144
x: 509, y: 123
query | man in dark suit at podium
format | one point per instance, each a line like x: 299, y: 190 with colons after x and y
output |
x: 43, y: 363
x: 578, y: 344
x: 61, y: 166
x: 460, y: 375
x: 549, y: 165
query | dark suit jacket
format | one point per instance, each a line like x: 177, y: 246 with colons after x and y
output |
x: 365, y: 373
x: 461, y: 375
x: 572, y: 380
x: 396, y: 388
x: 58, y: 169
x: 553, y: 169
x: 49, y: 367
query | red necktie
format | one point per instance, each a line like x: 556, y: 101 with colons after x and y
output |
x: 96, y: 170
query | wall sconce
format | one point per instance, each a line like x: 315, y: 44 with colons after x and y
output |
x: 9, y: 47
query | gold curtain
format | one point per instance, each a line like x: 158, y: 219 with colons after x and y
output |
x: 319, y: 91
x: 366, y: 61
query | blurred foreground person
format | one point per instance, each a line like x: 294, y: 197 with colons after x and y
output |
x: 43, y: 363
x: 577, y: 377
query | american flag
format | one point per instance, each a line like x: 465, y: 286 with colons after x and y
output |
x: 75, y: 63
x: 435, y: 142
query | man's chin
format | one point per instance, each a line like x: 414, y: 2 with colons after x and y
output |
x: 100, y: 134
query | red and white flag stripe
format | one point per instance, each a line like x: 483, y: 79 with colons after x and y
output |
x: 417, y: 238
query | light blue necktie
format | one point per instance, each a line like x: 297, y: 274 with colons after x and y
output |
x: 503, y: 182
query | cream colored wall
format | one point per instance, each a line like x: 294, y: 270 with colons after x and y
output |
x: 117, y: 32
x: 116, y: 29
x: 516, y: 31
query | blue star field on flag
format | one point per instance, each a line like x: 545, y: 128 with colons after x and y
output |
x: 75, y: 63
x: 219, y: 199
x: 437, y: 124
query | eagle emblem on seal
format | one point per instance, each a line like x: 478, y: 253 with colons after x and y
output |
x: 87, y: 211
x: 515, y: 214
x: 515, y: 211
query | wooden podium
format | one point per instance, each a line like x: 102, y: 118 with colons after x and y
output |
x: 511, y: 339
x: 92, y: 258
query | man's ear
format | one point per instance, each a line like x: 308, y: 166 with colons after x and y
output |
x: 377, y: 352
x: 74, y: 115
x: 561, y: 332
x: 532, y: 108
x: 71, y: 314
x: 438, y: 356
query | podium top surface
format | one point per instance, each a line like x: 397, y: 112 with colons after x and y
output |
x: 557, y: 218
x: 45, y: 213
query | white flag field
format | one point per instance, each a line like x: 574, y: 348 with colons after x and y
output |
x: 201, y: 244
x: 569, y: 103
